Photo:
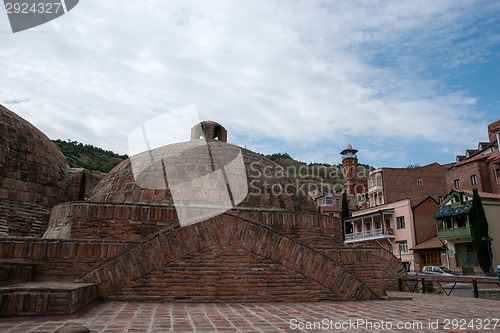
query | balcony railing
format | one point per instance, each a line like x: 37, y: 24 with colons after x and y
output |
x: 370, y: 234
x: 454, y: 233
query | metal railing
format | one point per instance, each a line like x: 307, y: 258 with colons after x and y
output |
x: 370, y: 233
x: 413, y: 284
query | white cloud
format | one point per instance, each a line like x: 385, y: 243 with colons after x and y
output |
x: 291, y: 75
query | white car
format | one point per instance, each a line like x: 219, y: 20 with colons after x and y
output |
x: 438, y: 270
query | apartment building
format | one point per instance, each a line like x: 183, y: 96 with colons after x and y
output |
x: 396, y: 226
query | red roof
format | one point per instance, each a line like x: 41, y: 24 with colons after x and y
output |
x: 473, y: 159
x: 432, y: 243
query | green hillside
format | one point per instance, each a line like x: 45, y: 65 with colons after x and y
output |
x: 323, y: 176
x: 86, y: 156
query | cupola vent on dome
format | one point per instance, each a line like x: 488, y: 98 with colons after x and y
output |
x: 210, y: 130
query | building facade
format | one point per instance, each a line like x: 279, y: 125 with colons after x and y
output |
x: 397, y: 227
x: 454, y: 229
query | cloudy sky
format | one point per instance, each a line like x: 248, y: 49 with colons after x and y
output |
x: 405, y: 82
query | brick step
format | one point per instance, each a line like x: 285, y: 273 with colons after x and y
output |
x: 48, y: 297
x: 15, y: 272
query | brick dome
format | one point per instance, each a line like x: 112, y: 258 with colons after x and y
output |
x: 269, y: 186
x: 34, y: 175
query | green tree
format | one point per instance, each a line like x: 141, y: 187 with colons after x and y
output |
x: 480, y: 231
x: 346, y: 214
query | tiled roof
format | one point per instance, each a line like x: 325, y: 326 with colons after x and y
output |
x: 473, y: 159
x: 415, y: 202
x: 452, y: 210
x: 433, y: 243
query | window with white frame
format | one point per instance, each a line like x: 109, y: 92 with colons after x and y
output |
x: 403, y: 246
x: 326, y: 201
x: 456, y: 182
x: 473, y: 180
x: 440, y: 200
x: 400, y: 222
x: 420, y: 181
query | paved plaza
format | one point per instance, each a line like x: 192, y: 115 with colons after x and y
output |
x: 423, y: 313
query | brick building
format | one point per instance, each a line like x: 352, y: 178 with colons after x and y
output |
x: 390, y: 184
x: 127, y: 243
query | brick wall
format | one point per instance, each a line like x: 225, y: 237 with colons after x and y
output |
x: 22, y: 219
x: 402, y: 183
x: 379, y: 268
x: 60, y: 259
x: 261, y: 242
x: 85, y: 220
x: 223, y: 273
x: 425, y: 225
x: 311, y: 229
x: 465, y: 171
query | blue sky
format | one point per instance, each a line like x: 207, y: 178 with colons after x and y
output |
x: 404, y: 82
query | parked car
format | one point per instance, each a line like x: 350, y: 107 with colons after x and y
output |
x: 438, y: 270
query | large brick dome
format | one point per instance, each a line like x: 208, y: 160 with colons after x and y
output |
x: 269, y: 186
x: 34, y: 176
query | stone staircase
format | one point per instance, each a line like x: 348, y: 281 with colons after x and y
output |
x: 20, y: 294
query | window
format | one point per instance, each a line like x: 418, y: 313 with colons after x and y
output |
x: 403, y: 246
x: 440, y: 200
x: 461, y: 221
x: 400, y: 222
x: 473, y: 179
x: 378, y: 225
x: 359, y: 227
x: 326, y: 201
x: 497, y: 175
x: 337, y: 202
x: 420, y: 181
x: 390, y: 248
x: 457, y: 183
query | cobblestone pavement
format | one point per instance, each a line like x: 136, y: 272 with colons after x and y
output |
x: 425, y: 313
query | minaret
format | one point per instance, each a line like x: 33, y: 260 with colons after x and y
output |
x: 350, y: 169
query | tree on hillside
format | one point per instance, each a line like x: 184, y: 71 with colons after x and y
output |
x: 346, y: 214
x: 480, y: 232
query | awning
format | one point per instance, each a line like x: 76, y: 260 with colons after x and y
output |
x: 452, y: 210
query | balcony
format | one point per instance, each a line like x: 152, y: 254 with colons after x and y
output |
x: 369, y: 235
x: 454, y: 233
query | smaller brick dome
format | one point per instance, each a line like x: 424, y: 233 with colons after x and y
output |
x: 34, y: 176
x: 32, y: 168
